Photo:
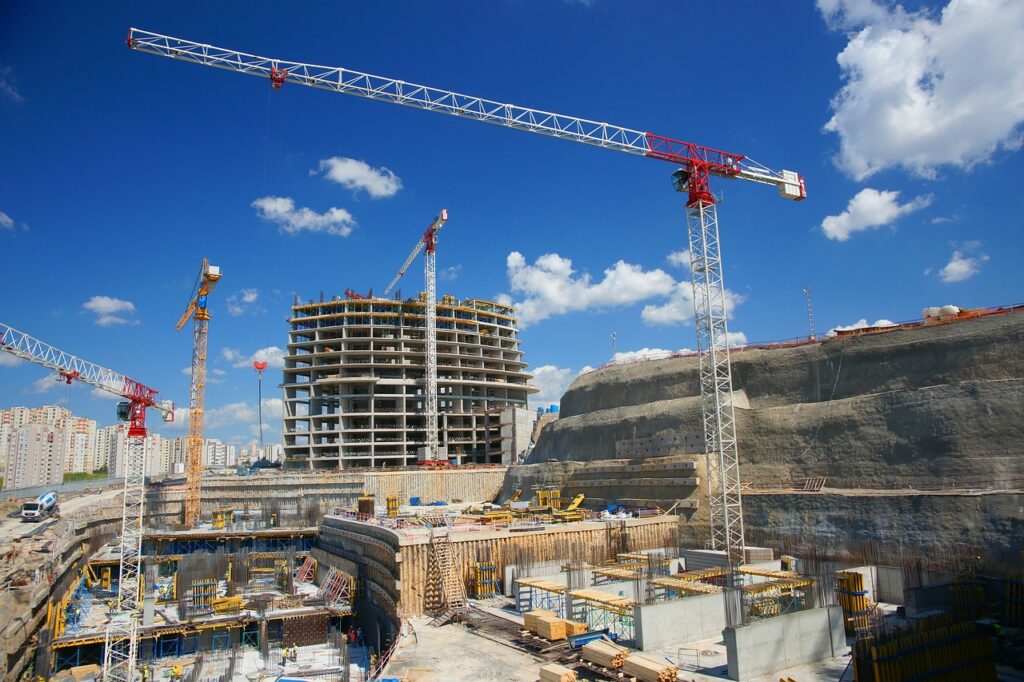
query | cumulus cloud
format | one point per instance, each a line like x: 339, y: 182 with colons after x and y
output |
x: 963, y: 264
x: 100, y: 394
x: 272, y: 355
x: 110, y: 311
x: 46, y: 384
x: 291, y: 220
x: 860, y: 324
x: 244, y: 301
x: 450, y: 274
x: 7, y: 86
x: 239, y: 413
x: 927, y: 89
x: 679, y: 308
x: 551, y: 286
x: 870, y: 209
x: 357, y: 175
x: 6, y: 222
x: 552, y: 381
x: 8, y: 360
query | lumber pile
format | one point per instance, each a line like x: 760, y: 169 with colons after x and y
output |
x: 648, y: 669
x: 574, y: 628
x: 530, y: 618
x: 605, y: 654
x: 552, y: 672
x: 551, y: 628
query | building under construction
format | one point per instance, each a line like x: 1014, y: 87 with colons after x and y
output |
x: 354, y: 383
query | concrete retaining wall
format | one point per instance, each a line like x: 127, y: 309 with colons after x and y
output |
x: 678, y: 621
x: 782, y: 642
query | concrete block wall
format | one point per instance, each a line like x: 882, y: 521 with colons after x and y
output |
x: 782, y: 642
x: 675, y: 622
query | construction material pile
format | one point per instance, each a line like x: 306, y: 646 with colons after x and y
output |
x: 605, y: 654
x: 648, y: 669
x: 552, y: 672
x: 548, y: 625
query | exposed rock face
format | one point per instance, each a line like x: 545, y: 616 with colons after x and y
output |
x: 915, y: 407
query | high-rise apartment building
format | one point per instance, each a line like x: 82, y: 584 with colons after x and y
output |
x: 354, y: 381
x: 36, y: 457
x: 80, y: 445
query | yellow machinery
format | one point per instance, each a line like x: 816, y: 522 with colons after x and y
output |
x: 209, y: 275
x: 515, y: 495
x: 222, y: 518
x: 392, y: 505
x: 223, y: 605
x: 572, y: 512
x: 547, y: 500
x: 497, y: 516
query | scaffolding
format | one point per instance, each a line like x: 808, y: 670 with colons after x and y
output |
x: 537, y: 593
x: 601, y: 610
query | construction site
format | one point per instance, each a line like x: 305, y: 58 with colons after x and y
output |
x: 842, y: 507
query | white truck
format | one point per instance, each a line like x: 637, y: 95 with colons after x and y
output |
x: 40, y: 508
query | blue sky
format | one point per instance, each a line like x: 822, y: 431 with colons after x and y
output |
x: 121, y: 170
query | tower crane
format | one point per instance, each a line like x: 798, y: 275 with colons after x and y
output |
x: 121, y: 638
x: 209, y: 275
x: 428, y: 242
x: 699, y: 164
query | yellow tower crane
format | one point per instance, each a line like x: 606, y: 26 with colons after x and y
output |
x: 208, y: 278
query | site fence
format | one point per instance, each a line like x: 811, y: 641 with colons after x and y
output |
x: 76, y: 486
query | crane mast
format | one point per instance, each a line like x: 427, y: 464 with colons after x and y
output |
x: 121, y: 636
x: 209, y: 275
x: 699, y: 164
x: 428, y: 243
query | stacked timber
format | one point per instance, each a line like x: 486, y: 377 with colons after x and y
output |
x: 605, y: 654
x: 530, y: 618
x: 551, y: 628
x: 552, y: 672
x: 574, y: 628
x: 649, y: 669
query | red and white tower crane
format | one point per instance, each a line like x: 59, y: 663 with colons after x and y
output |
x: 122, y: 630
x: 698, y: 163
x: 428, y: 243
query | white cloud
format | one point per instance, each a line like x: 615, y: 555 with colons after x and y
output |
x: 868, y: 209
x: 6, y: 222
x: 233, y: 414
x: 963, y: 264
x: 552, y: 382
x: 233, y: 355
x: 7, y: 87
x: 552, y: 287
x: 679, y: 308
x: 860, y: 324
x: 451, y: 273
x: 290, y: 220
x: 244, y: 301
x: 8, y: 360
x: 357, y: 175
x: 922, y: 90
x: 272, y: 355
x: 680, y: 259
x: 47, y: 384
x: 109, y: 310
x: 100, y: 394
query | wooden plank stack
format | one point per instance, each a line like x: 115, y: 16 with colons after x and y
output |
x: 605, y: 654
x: 552, y: 672
x: 574, y: 628
x: 530, y: 618
x: 551, y: 628
x: 648, y: 669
